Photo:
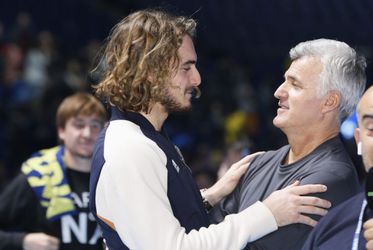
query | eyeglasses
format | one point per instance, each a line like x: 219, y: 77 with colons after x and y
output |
x: 94, y: 125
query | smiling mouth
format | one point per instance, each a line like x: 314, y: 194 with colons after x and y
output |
x: 189, y: 93
x: 281, y: 106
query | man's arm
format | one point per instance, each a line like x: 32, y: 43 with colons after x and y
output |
x: 13, y: 203
x: 132, y: 194
x: 18, y: 211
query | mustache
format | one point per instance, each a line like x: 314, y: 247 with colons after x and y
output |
x: 196, y: 92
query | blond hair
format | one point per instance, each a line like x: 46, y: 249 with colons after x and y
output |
x: 140, y: 57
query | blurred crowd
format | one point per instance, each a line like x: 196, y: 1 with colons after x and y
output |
x: 35, y: 75
x: 231, y: 119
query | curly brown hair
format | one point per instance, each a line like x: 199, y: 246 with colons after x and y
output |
x: 140, y: 57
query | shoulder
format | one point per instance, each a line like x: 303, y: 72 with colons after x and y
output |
x: 18, y: 191
x: 19, y: 182
x: 127, y: 149
x: 334, y: 151
x: 126, y: 139
x: 332, y: 157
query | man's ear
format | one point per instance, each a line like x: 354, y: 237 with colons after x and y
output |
x: 61, y: 133
x: 357, y: 135
x: 332, y: 101
x: 357, y: 140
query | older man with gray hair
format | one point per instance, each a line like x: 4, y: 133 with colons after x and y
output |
x: 321, y: 87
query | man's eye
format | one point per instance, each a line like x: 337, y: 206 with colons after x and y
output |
x: 295, y: 85
x: 79, y: 125
x: 96, y: 125
x: 368, y: 124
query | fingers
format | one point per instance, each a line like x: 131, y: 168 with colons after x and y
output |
x: 247, y: 159
x: 250, y: 157
x: 288, y: 206
x: 368, y: 224
x: 306, y: 220
x: 53, y: 243
x: 368, y: 233
x: 307, y: 189
x: 312, y: 210
x: 369, y: 245
x: 40, y: 241
x: 313, y: 201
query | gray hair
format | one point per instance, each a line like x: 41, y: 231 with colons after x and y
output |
x: 343, y: 70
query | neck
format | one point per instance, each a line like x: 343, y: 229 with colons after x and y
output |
x: 82, y: 164
x: 156, y: 116
x: 302, y: 145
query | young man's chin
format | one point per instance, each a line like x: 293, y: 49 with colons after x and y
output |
x: 180, y: 108
x: 84, y: 155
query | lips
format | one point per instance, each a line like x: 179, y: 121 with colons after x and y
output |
x: 189, y: 93
x: 282, y: 106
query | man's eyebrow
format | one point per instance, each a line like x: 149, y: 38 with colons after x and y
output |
x: 189, y: 62
x: 367, y: 116
x: 292, y: 77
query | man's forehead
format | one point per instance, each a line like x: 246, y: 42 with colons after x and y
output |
x: 187, y: 50
x: 84, y: 117
x: 306, y: 62
x: 366, y: 103
x: 304, y: 69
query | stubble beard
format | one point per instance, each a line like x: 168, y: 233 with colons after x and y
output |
x: 172, y: 106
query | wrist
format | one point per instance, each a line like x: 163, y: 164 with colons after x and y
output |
x: 206, y: 203
x: 212, y: 194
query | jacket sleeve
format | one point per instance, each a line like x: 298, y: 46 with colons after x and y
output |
x: 132, y: 193
x: 17, y: 207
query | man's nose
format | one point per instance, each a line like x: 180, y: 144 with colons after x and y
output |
x: 280, y: 91
x: 87, y: 131
x: 196, y: 77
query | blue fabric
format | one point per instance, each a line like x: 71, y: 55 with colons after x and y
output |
x: 46, y: 174
x: 336, y: 230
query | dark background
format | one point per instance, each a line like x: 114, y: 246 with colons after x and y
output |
x: 242, y: 48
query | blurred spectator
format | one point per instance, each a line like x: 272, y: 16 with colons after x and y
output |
x: 37, y: 61
x: 46, y: 206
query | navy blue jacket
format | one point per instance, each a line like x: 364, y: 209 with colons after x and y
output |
x: 182, y: 192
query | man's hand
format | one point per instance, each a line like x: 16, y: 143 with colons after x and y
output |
x: 229, y: 181
x: 40, y: 241
x: 289, y: 206
x: 368, y: 233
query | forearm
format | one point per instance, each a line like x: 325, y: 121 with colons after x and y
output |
x: 150, y: 223
x: 17, y: 200
x: 212, y: 195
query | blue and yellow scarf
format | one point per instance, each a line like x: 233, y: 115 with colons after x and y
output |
x: 46, y: 174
